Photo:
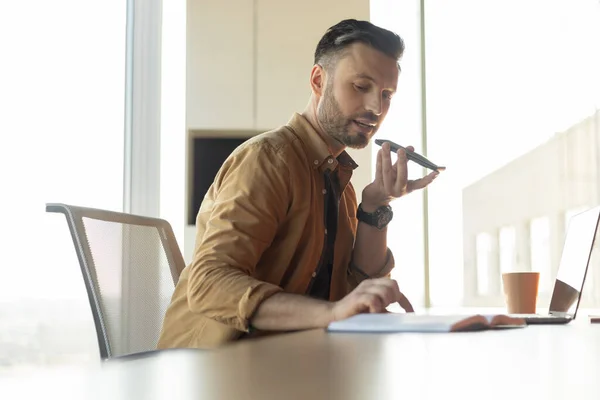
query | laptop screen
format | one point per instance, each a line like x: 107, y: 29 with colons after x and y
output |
x: 574, y: 262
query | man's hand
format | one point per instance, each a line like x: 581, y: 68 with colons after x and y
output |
x: 370, y: 296
x: 391, y: 181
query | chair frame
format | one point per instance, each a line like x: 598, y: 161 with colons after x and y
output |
x: 74, y: 215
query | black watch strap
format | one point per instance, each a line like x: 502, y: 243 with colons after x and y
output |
x: 379, y: 218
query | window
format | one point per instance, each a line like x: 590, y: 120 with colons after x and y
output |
x: 508, y: 254
x: 514, y: 114
x: 593, y: 265
x: 540, y: 253
x: 62, y: 141
x: 516, y: 124
x: 403, y: 125
x: 484, y: 263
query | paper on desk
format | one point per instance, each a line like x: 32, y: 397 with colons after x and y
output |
x: 393, y: 322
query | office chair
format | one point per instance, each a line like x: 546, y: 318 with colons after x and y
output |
x: 130, y: 265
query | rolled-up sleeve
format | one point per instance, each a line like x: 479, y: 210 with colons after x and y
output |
x: 388, y: 267
x: 243, y: 210
x: 356, y: 275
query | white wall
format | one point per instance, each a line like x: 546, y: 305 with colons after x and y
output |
x: 248, y: 65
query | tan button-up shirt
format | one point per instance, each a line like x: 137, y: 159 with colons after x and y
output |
x: 261, y: 230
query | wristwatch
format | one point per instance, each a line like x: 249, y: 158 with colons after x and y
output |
x: 378, y: 218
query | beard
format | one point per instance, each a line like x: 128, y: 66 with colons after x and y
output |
x: 338, y: 126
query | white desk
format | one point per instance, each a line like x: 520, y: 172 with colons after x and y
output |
x: 538, y: 362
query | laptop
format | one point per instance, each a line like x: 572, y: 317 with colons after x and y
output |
x: 572, y: 270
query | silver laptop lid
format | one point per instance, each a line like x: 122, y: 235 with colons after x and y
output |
x: 574, y: 261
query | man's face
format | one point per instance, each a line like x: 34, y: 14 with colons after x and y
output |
x: 357, y: 95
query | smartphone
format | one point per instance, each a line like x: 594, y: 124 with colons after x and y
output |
x: 411, y: 155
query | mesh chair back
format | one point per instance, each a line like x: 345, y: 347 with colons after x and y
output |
x: 130, y: 265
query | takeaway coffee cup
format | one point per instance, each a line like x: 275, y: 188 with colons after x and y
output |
x: 521, y: 291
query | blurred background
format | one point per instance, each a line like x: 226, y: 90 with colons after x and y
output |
x: 114, y: 104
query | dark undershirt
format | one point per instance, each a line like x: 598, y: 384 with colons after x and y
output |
x: 322, y: 281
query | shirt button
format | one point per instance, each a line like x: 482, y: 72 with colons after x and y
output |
x: 330, y: 161
x: 316, y: 162
x: 326, y: 231
x: 324, y: 191
x: 314, y: 274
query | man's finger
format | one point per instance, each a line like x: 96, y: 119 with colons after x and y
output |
x: 386, y: 168
x: 372, y: 302
x: 401, y: 172
x: 386, y: 294
x: 401, y: 298
x: 422, y: 182
x: 378, y: 166
x: 405, y: 304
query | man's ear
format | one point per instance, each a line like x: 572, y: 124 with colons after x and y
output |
x: 317, y: 80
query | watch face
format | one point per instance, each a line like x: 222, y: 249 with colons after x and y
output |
x: 384, y: 218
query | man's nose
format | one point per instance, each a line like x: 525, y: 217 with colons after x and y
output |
x: 374, y: 104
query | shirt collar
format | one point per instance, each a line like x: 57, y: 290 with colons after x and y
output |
x: 317, y: 149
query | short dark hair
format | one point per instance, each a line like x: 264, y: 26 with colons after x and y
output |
x: 349, y: 31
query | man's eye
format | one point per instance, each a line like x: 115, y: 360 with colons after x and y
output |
x: 361, y: 88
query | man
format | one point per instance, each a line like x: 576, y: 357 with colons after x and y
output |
x: 281, y: 242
